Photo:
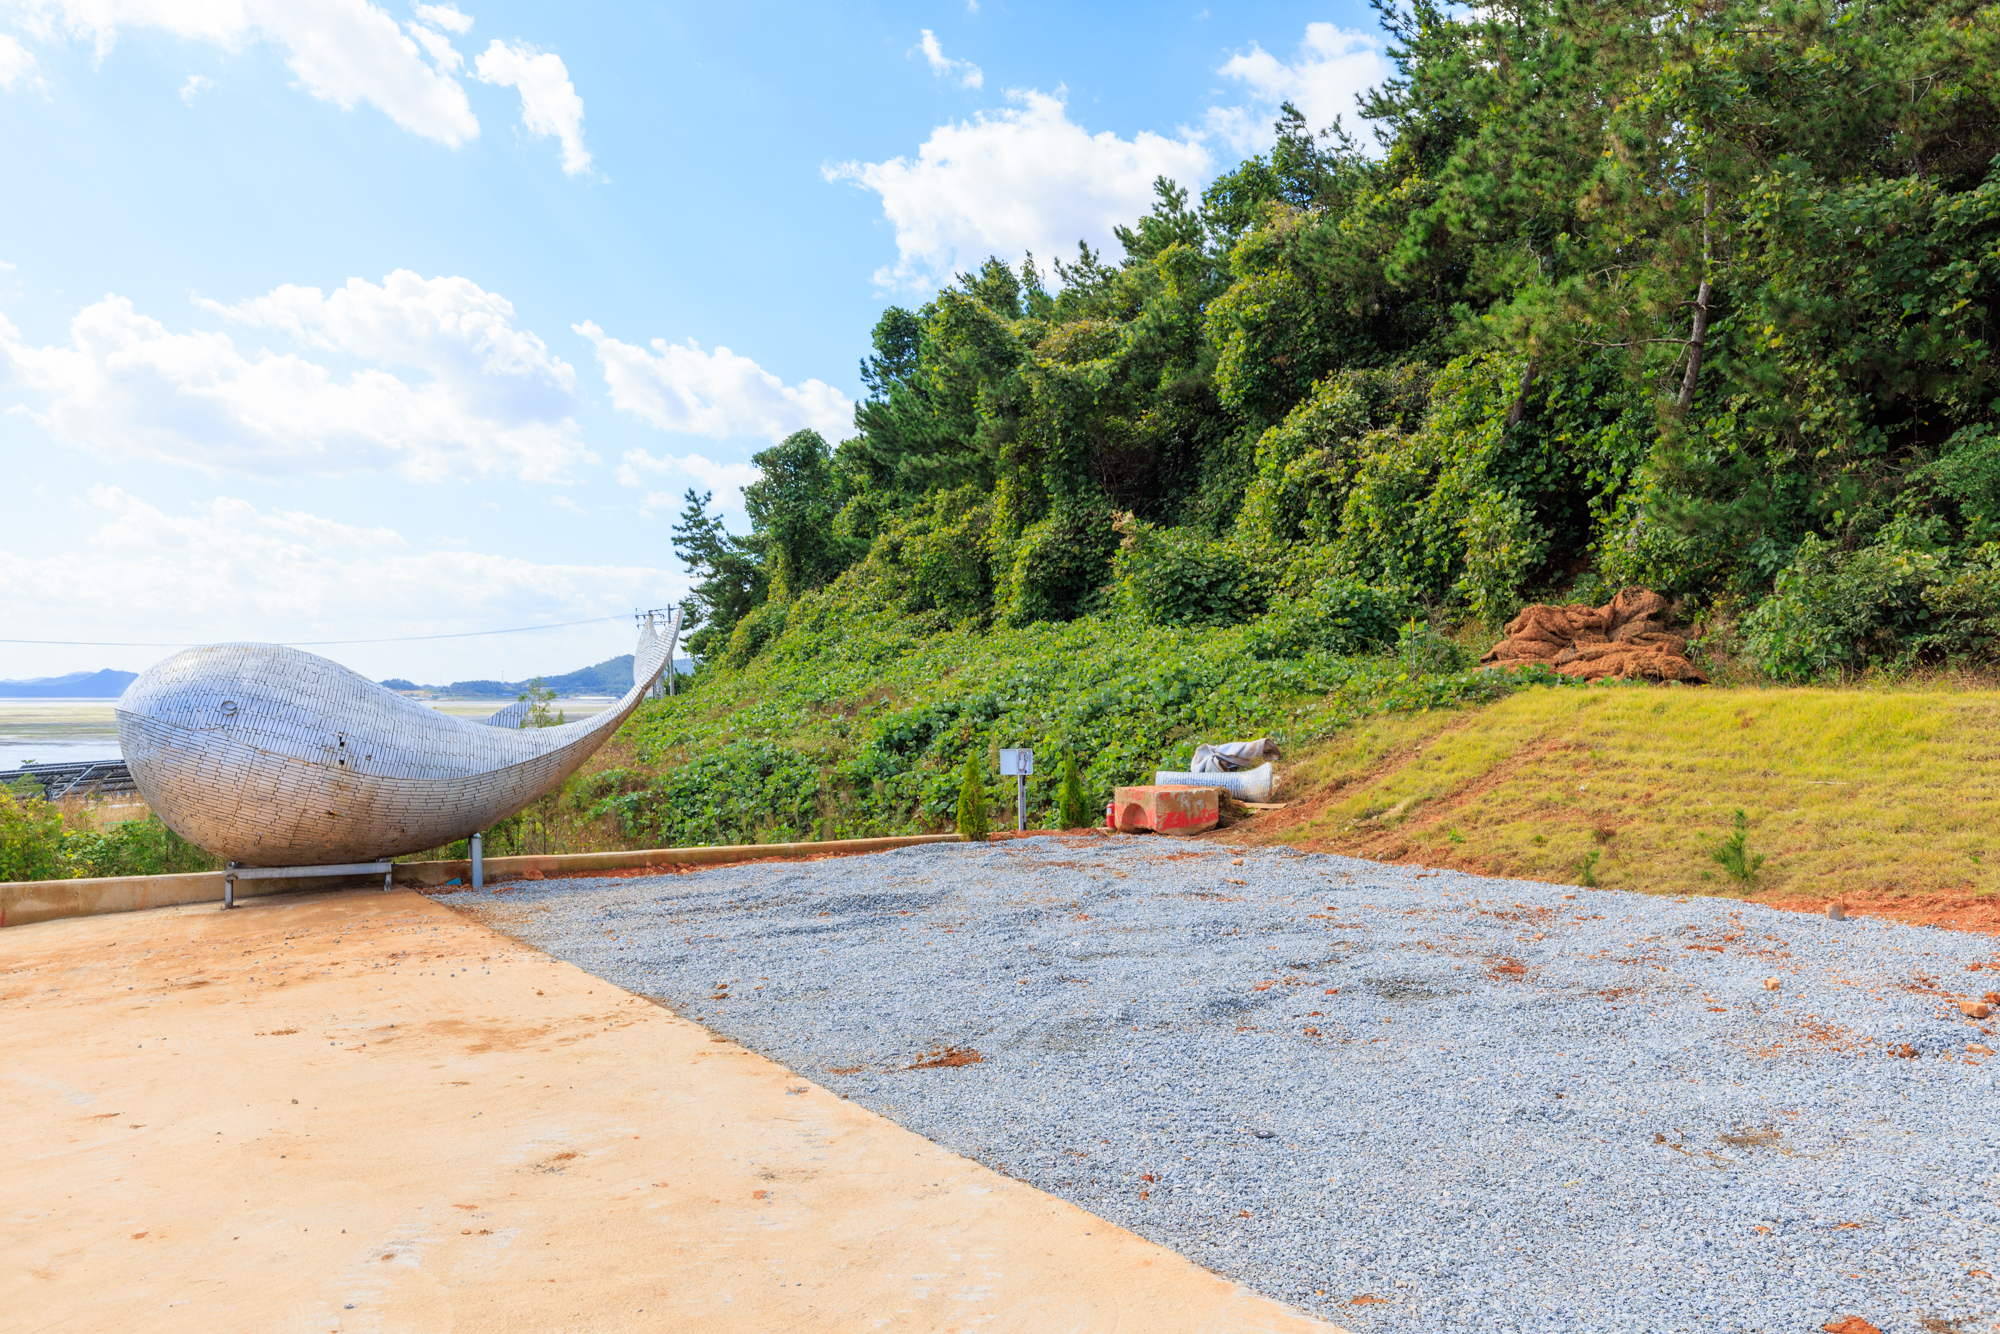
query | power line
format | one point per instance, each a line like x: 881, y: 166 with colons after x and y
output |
x: 312, y: 643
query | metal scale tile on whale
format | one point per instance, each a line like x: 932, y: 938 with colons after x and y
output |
x: 271, y: 756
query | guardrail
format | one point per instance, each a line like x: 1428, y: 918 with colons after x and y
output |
x: 108, y: 778
x: 28, y: 901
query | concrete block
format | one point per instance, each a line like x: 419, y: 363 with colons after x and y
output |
x: 1165, y: 810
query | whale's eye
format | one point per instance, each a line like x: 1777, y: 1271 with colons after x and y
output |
x: 229, y: 708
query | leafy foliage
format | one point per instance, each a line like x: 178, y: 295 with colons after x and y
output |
x: 1175, y: 576
x: 859, y: 719
x: 32, y: 839
x: 136, y: 847
x: 538, y: 697
x: 1701, y: 298
x: 1336, y: 616
x: 1637, y: 293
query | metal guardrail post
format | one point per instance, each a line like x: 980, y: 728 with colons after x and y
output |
x: 478, y: 862
x: 229, y: 886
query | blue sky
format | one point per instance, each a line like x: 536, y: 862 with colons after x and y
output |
x: 336, y: 319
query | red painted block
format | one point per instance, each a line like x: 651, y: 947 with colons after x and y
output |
x: 1165, y: 810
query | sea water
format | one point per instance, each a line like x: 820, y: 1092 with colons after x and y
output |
x: 63, y: 731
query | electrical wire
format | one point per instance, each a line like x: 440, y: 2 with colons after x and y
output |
x: 313, y: 643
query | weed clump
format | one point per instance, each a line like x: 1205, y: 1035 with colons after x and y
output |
x: 31, y: 840
x: 1732, y: 856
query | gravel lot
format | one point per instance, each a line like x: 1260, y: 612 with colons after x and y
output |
x: 1407, y: 1100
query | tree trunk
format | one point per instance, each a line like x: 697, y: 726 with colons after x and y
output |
x: 1520, y: 403
x: 1699, y: 333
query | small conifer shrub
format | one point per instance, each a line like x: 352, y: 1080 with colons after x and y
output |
x: 1072, y: 809
x: 1733, y: 857
x: 972, y: 802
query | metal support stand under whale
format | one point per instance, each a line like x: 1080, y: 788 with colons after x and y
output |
x: 271, y: 757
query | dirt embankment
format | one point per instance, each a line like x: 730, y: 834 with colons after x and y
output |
x: 1887, y: 802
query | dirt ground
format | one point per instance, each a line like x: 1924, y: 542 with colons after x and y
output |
x: 365, y: 1112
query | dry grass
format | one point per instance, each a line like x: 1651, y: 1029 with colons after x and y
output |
x: 100, y: 813
x: 1872, y: 792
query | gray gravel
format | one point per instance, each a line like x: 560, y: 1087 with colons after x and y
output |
x: 1491, y: 1104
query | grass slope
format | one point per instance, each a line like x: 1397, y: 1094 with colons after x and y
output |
x: 1848, y: 793
x: 860, y: 722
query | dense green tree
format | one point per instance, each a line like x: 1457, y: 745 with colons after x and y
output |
x: 1696, y: 296
x: 792, y: 506
x: 728, y: 572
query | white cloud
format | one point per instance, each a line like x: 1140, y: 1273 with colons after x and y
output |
x: 196, y: 85
x: 443, y: 54
x: 724, y: 479
x: 717, y: 394
x: 1027, y: 178
x: 476, y: 395
x: 968, y: 74
x: 549, y: 104
x: 341, y: 51
x: 446, y: 17
x: 17, y: 65
x: 227, y: 569
x: 1332, y: 67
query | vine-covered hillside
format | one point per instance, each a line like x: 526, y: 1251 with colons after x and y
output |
x: 1699, y: 298
x: 1696, y: 298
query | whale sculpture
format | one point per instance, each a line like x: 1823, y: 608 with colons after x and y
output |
x: 269, y: 756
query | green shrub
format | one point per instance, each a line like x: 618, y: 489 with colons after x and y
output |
x: 1422, y: 651
x: 1174, y: 576
x: 32, y: 839
x: 862, y: 728
x: 1836, y: 609
x: 1965, y: 607
x: 972, y: 814
x: 1306, y: 463
x: 1503, y: 547
x: 936, y: 558
x: 1337, y: 616
x: 753, y: 633
x: 748, y: 790
x: 137, y: 847
x: 1059, y: 565
x: 1072, y: 807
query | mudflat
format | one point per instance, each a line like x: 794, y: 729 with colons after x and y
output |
x: 364, y: 1111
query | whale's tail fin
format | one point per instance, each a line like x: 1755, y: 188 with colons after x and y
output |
x: 656, y: 648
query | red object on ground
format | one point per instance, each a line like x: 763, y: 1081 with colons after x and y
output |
x: 1165, y: 810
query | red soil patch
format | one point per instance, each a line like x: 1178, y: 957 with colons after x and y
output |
x: 945, y: 1058
x: 1956, y: 911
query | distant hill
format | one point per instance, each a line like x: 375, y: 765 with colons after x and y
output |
x: 613, y: 676
x: 105, y: 684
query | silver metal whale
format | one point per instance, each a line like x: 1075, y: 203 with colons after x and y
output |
x: 271, y: 756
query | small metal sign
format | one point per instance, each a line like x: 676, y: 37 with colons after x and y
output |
x: 1017, y: 763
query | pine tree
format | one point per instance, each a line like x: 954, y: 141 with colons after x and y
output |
x: 972, y: 802
x: 1072, y: 810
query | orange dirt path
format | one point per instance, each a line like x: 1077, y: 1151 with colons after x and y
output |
x: 366, y: 1112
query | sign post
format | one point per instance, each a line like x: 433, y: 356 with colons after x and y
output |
x: 1019, y: 763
